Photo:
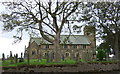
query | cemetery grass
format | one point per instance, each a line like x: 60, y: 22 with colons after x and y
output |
x: 7, y: 63
x: 44, y: 62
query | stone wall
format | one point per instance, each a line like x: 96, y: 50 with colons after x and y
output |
x: 81, y: 67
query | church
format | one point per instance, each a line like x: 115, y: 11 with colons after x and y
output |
x: 74, y: 47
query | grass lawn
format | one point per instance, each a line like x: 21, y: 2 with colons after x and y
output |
x: 36, y: 62
x: 44, y: 62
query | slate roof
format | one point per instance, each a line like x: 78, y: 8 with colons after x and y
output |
x: 65, y: 39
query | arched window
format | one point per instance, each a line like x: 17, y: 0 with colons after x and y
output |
x: 33, y: 52
x: 67, y: 54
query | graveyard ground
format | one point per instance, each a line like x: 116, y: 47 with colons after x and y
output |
x: 7, y: 63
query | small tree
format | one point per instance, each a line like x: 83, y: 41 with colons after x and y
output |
x: 101, y: 54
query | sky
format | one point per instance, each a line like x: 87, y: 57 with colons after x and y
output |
x: 6, y: 41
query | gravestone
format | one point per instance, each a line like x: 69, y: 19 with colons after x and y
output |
x: 21, y: 59
x: 16, y: 58
x: 63, y: 58
x: 52, y: 54
x: 77, y: 57
x: 3, y: 57
x: 49, y: 57
x: 11, y: 58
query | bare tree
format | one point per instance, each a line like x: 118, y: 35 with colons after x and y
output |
x: 36, y: 15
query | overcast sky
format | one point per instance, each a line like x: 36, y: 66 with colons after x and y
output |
x: 6, y: 40
x: 6, y: 43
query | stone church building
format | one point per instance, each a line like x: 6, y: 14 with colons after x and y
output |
x: 72, y: 47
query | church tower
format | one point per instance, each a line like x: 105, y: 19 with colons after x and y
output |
x: 90, y: 33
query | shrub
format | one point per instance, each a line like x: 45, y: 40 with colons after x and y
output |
x: 101, y: 54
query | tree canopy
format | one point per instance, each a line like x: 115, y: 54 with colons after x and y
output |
x: 44, y: 16
x: 36, y: 15
x: 109, y: 24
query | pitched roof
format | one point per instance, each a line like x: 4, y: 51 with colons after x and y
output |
x: 65, y: 39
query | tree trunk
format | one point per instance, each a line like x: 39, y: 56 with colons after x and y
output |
x: 116, y: 47
x: 117, y: 52
x: 57, y: 51
x: 28, y: 58
x: 107, y: 56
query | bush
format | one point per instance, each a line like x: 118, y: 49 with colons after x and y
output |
x: 101, y: 54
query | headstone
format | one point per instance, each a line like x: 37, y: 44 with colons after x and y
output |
x: 40, y: 56
x: 10, y: 53
x: 21, y: 59
x: 3, y: 57
x: 21, y: 54
x: 49, y: 57
x: 16, y: 58
x: 11, y: 58
x: 77, y: 56
x: 63, y: 57
x: 52, y: 56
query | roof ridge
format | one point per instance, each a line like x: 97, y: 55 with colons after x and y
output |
x: 74, y: 39
x: 61, y: 35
